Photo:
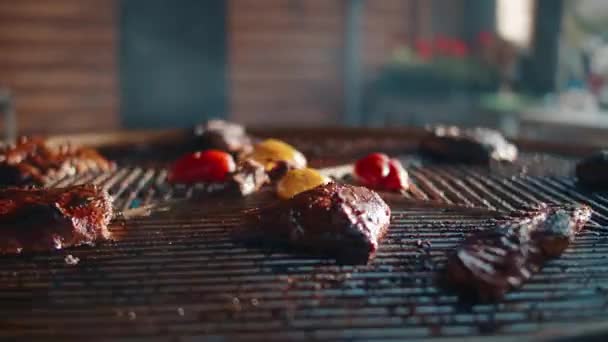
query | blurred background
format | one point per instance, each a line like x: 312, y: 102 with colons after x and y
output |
x: 96, y: 65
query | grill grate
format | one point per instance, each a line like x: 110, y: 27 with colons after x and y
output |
x: 180, y: 273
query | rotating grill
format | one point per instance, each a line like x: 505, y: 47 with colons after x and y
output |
x: 178, y: 273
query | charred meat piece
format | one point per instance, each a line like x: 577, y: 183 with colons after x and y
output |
x: 490, y: 263
x: 473, y: 145
x: 248, y: 178
x: 593, y: 170
x: 47, y: 219
x: 225, y: 136
x: 343, y: 221
x: 32, y: 161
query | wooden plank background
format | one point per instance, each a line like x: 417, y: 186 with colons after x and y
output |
x: 386, y: 24
x: 285, y: 57
x: 285, y: 60
x: 58, y: 58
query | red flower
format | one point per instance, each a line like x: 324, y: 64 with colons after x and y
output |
x: 459, y: 48
x: 596, y: 82
x: 399, y: 40
x: 442, y: 45
x: 485, y: 38
x: 424, y: 49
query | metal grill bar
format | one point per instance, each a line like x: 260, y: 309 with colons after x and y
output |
x: 184, y: 275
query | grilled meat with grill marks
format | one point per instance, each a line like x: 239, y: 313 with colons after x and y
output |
x: 248, y: 178
x: 47, y: 219
x: 593, y: 170
x: 343, y: 221
x: 472, y: 145
x: 490, y: 263
x: 225, y: 136
x: 32, y: 161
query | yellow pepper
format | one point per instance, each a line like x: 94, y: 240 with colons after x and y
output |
x: 299, y: 180
x: 271, y: 151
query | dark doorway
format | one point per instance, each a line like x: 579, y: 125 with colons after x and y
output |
x: 173, y: 62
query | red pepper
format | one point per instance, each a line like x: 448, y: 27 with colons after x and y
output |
x: 206, y: 166
x: 371, y: 169
x: 397, y: 178
x: 378, y: 171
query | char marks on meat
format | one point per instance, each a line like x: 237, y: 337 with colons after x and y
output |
x: 248, y: 178
x: 593, y: 170
x: 225, y: 136
x: 47, y: 219
x: 472, y: 145
x: 33, y: 161
x: 492, y: 262
x: 343, y: 221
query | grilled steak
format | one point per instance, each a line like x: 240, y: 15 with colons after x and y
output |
x: 343, y: 221
x: 47, y: 219
x: 491, y: 263
x: 223, y: 135
x: 32, y: 161
x: 593, y: 170
x: 473, y: 145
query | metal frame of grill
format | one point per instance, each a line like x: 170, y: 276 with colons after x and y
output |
x: 180, y: 273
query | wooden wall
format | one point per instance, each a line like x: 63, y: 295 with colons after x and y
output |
x: 385, y: 24
x: 285, y: 56
x: 58, y: 57
x: 285, y: 60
